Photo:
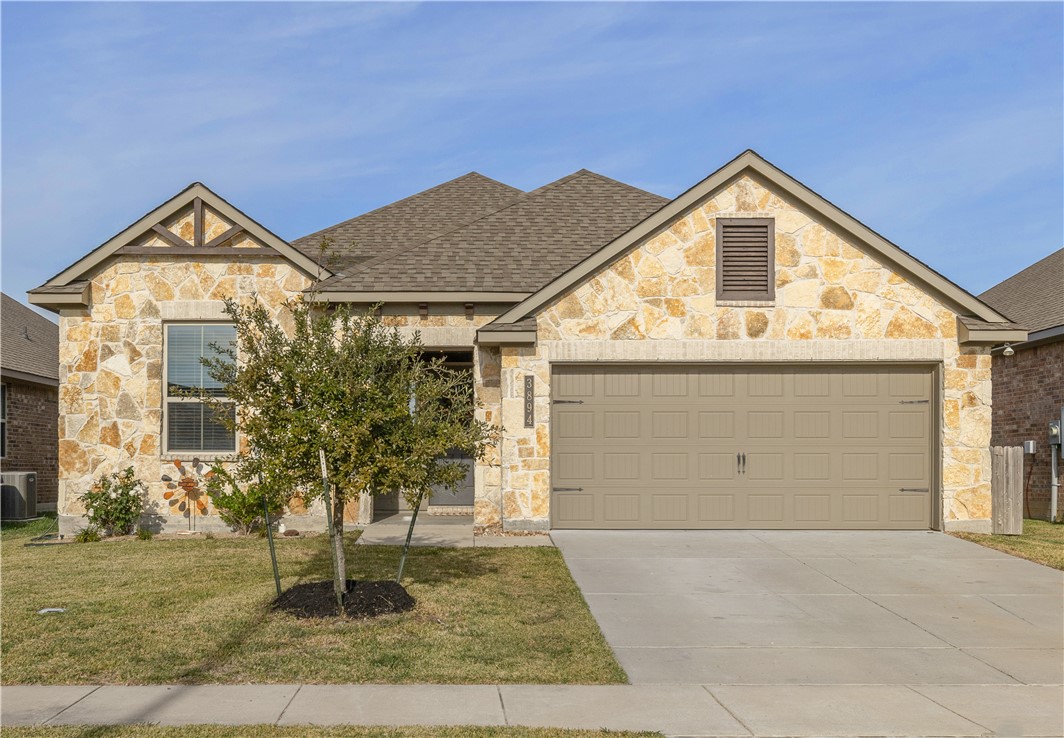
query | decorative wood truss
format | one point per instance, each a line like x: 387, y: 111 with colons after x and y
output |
x: 178, y: 246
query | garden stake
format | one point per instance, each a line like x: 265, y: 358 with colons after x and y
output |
x: 409, y: 533
x: 269, y: 535
x: 338, y: 586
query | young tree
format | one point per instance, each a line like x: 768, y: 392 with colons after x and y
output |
x: 343, y: 383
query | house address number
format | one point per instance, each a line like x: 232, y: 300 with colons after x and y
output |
x: 530, y: 400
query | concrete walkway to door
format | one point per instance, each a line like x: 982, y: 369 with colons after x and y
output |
x: 791, y: 609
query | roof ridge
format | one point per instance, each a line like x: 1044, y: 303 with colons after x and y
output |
x: 611, y: 180
x: 405, y: 199
x: 524, y: 196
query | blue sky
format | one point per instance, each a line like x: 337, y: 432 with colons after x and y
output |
x: 938, y: 125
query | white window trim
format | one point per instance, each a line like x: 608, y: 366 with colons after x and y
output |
x: 165, y: 453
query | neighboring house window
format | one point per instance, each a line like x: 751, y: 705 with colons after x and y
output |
x: 746, y: 260
x: 190, y: 424
x: 3, y: 421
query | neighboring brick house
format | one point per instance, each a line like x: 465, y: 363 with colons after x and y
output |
x: 745, y: 355
x: 29, y: 409
x: 1029, y: 386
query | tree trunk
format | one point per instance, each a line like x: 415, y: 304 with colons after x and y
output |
x: 339, y: 557
x: 336, y: 539
x: 409, y: 535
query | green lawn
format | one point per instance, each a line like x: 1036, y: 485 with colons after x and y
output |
x: 197, y: 611
x: 269, y: 731
x: 1042, y: 542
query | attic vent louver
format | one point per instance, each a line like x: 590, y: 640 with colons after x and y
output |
x: 746, y: 259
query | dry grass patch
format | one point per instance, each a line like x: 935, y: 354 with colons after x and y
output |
x: 198, y: 611
x: 271, y: 731
x: 1041, y: 542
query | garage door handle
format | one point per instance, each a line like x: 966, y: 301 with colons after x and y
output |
x: 568, y: 402
x: 914, y: 489
x: 568, y: 489
x: 914, y: 402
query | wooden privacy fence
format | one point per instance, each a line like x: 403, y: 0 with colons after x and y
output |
x: 1006, y: 489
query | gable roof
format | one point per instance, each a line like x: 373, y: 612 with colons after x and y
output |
x: 410, y: 221
x: 82, y: 267
x: 511, y: 251
x: 749, y: 162
x: 29, y: 343
x: 1033, y: 296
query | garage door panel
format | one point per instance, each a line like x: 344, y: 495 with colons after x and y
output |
x: 716, y: 509
x: 716, y: 385
x: 717, y: 466
x: 661, y: 447
x: 669, y: 424
x: 716, y: 424
x: 575, y: 424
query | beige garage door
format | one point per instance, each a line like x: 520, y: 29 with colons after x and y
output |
x: 741, y: 447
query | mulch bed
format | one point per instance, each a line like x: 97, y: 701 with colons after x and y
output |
x: 363, y: 599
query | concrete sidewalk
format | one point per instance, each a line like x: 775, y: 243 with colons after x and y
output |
x: 446, y: 531
x: 676, y: 710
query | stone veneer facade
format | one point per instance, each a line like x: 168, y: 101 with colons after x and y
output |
x: 111, y: 358
x: 833, y: 303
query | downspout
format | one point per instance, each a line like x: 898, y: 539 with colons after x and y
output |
x: 1055, y: 447
x: 1054, y: 484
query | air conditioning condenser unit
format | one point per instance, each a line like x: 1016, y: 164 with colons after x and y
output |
x: 18, y: 495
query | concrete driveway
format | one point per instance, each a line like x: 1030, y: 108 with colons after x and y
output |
x: 820, y: 608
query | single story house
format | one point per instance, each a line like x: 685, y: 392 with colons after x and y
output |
x: 746, y: 355
x: 29, y: 397
x: 1029, y: 385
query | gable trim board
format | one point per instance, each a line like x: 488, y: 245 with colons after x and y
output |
x: 750, y: 162
x: 977, y: 332
x: 46, y: 295
x: 414, y: 297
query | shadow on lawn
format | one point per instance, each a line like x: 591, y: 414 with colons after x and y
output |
x: 97, y: 731
x: 425, y: 566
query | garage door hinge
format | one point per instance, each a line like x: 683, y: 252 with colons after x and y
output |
x: 568, y: 402
x: 913, y: 402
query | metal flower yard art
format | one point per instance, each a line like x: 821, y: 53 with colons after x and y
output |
x: 187, y: 496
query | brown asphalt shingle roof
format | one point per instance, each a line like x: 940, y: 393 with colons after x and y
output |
x: 29, y: 343
x: 519, y: 247
x: 1033, y: 297
x: 410, y: 221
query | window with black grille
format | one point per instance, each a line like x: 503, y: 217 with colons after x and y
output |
x: 190, y: 423
x: 746, y: 264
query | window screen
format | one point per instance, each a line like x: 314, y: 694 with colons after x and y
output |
x: 192, y: 425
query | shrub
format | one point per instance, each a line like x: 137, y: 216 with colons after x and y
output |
x: 144, y: 533
x: 89, y: 534
x: 115, y: 502
x: 240, y: 509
